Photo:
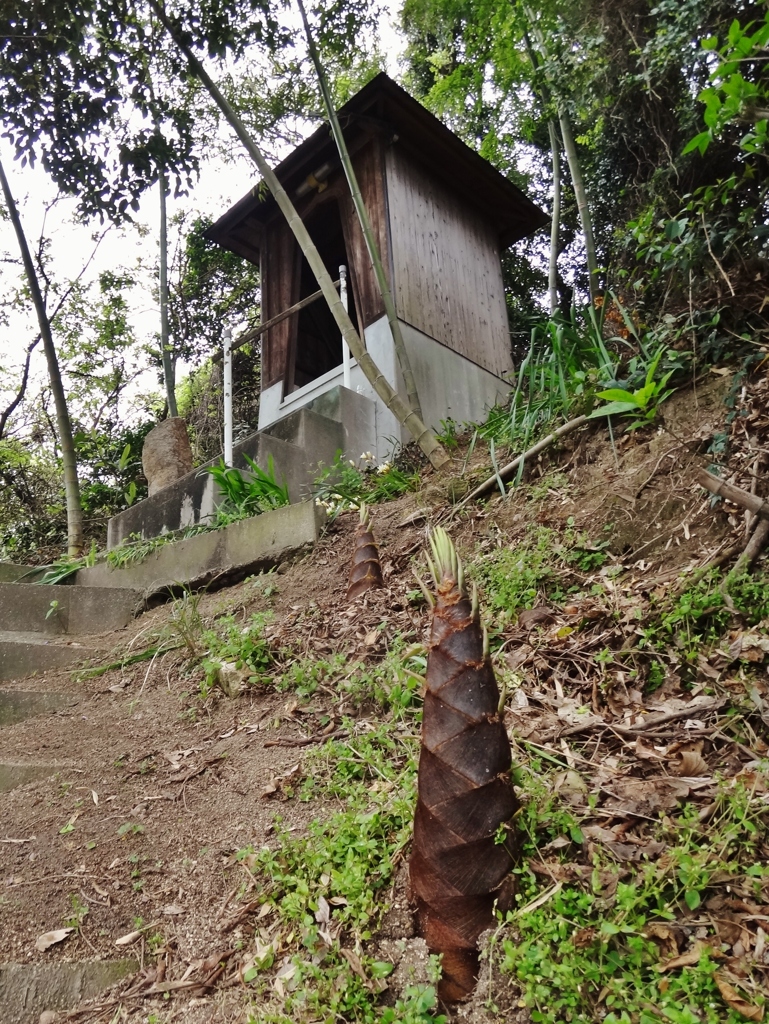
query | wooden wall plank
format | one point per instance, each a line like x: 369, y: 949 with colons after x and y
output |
x: 448, y: 277
x: 369, y: 170
x: 278, y: 286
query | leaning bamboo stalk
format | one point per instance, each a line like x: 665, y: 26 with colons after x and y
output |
x: 422, y: 434
x: 404, y: 362
x: 507, y: 471
x: 555, y: 223
x: 463, y: 845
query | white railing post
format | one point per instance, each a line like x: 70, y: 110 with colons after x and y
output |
x: 345, y: 349
x: 227, y: 375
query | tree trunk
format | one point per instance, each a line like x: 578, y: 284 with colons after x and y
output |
x: 169, y: 369
x: 69, y: 462
x: 555, y: 223
x: 423, y: 435
x: 365, y: 224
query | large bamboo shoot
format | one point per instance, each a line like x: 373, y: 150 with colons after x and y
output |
x: 460, y: 856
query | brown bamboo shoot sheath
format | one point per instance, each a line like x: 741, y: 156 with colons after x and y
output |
x: 738, y: 495
x: 464, y: 794
x: 366, y: 569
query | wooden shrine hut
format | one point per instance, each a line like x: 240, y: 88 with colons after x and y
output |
x: 442, y: 216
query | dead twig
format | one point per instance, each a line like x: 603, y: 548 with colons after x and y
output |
x: 307, y: 740
x: 507, y: 471
x: 634, y: 730
x: 737, y: 495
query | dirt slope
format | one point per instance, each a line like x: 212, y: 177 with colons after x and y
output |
x: 157, y: 786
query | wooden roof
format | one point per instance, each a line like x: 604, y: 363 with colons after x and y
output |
x: 382, y: 107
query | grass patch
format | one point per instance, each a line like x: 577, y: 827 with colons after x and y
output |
x: 594, y: 950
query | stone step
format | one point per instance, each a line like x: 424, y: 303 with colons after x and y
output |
x: 217, y: 558
x: 14, y: 774
x: 12, y: 573
x: 18, y: 705
x: 23, y: 653
x: 29, y: 990
x: 54, y: 610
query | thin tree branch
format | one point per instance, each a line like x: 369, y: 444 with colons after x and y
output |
x: 9, y: 411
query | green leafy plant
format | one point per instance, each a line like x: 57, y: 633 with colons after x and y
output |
x: 247, y: 494
x: 78, y: 914
x: 643, y: 402
x: 343, y: 485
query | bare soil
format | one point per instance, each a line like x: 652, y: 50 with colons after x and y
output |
x: 154, y: 789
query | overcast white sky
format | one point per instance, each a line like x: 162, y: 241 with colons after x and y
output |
x: 221, y: 184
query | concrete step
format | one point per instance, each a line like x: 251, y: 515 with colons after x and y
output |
x: 23, y: 654
x: 29, y: 990
x: 18, y: 705
x: 217, y: 558
x: 14, y: 774
x: 193, y: 499
x: 12, y: 573
x: 55, y: 610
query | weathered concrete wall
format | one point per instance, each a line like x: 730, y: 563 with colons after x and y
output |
x: 219, y: 556
x: 194, y: 498
x: 10, y: 573
x: 65, y: 609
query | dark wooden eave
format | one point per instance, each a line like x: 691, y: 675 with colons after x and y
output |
x: 384, y: 108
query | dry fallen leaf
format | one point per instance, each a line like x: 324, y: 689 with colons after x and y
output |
x: 734, y: 1000
x: 687, y: 959
x: 49, y: 939
x: 669, y: 937
x: 128, y: 939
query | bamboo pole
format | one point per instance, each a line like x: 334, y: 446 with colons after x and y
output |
x: 555, y: 222
x: 423, y: 435
x: 169, y: 372
x: 365, y: 224
x: 507, y: 471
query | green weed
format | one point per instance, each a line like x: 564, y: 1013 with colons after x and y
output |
x: 344, y: 484
x: 247, y: 494
x: 587, y: 953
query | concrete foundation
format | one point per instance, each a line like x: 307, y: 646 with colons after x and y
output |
x: 450, y: 387
x: 221, y: 556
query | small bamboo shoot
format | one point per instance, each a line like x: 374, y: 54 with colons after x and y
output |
x: 366, y: 569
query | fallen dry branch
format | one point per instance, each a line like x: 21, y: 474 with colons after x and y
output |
x: 507, y: 471
x: 465, y: 795
x: 737, y: 495
x: 634, y: 730
x: 306, y: 741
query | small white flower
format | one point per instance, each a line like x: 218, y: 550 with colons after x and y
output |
x: 384, y: 467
